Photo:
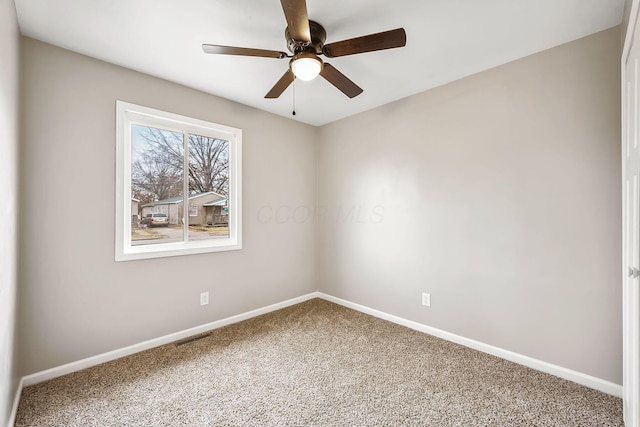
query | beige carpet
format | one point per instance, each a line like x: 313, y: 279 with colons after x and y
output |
x: 314, y: 364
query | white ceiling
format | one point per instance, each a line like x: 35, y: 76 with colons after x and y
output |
x: 446, y: 40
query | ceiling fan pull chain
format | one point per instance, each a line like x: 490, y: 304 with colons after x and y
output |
x: 293, y: 113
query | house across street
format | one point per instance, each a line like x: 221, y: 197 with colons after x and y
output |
x: 207, y: 208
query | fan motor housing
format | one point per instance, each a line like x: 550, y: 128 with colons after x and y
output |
x: 318, y: 37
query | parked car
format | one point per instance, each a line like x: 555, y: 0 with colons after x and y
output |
x: 155, y: 220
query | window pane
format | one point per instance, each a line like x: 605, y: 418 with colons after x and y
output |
x: 157, y: 186
x: 208, y: 187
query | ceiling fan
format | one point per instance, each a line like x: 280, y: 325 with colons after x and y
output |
x: 305, y: 40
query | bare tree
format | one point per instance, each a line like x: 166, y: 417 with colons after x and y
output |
x: 153, y: 179
x: 208, y: 165
x: 157, y: 171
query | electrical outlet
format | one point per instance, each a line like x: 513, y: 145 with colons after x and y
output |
x: 204, y: 298
x: 426, y: 299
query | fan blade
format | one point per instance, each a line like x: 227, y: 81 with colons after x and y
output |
x: 295, y: 11
x: 372, y: 42
x: 242, y: 51
x: 282, y: 84
x: 339, y: 80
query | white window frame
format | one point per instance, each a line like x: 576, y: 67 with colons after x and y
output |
x: 128, y: 114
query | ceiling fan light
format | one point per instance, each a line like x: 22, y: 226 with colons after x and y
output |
x: 306, y: 66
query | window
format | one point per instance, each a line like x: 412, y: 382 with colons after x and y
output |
x: 183, y: 176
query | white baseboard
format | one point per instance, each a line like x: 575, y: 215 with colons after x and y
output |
x: 16, y: 402
x: 68, y: 368
x: 568, y: 374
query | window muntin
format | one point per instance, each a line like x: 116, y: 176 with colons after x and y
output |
x: 153, y: 169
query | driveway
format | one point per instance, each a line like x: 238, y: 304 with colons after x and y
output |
x: 173, y: 233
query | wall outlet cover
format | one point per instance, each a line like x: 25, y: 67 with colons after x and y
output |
x: 426, y: 299
x: 204, y: 298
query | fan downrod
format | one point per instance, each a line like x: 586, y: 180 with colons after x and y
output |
x: 318, y: 37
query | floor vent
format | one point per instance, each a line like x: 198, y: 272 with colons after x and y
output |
x: 192, y: 339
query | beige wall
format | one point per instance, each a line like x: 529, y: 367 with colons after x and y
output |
x: 499, y: 194
x: 625, y: 18
x: 9, y: 37
x: 76, y: 301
